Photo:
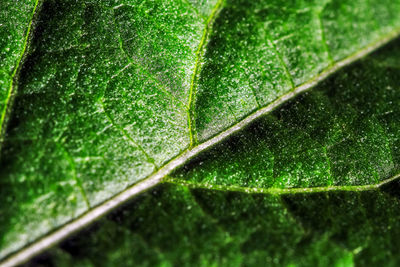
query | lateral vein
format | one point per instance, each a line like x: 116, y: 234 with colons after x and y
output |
x: 197, y: 67
x: 15, y: 71
x: 283, y: 191
x: 78, y: 181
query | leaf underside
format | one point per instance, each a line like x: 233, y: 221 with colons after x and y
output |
x: 110, y: 91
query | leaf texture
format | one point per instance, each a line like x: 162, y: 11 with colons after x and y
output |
x: 174, y: 225
x: 343, y: 133
x: 113, y: 90
x: 15, y: 27
x: 214, y: 218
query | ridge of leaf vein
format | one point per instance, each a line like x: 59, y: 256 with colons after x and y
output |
x: 284, y: 191
x: 208, y: 215
x: 196, y: 70
x: 140, y: 66
x: 322, y: 29
x: 283, y: 63
x: 125, y: 134
x: 16, y: 68
x: 290, y: 214
x: 78, y: 181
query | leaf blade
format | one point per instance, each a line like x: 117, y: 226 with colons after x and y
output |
x: 94, y: 159
x: 12, y: 60
x: 342, y: 133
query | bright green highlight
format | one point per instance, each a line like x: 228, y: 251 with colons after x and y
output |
x: 110, y: 91
x: 15, y: 28
x: 343, y: 133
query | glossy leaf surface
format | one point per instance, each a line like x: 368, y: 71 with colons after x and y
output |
x: 113, y: 90
x: 15, y: 26
x: 219, y: 217
x: 345, y: 132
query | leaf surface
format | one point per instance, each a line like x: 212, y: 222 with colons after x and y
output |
x: 221, y: 216
x: 113, y: 90
x: 15, y: 27
x: 343, y: 133
x: 240, y: 229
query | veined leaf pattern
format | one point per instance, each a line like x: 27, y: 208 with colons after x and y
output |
x: 114, y: 91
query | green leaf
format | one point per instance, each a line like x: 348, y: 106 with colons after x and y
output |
x: 174, y: 225
x: 15, y: 27
x: 114, y: 92
x: 210, y: 219
x: 345, y: 132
